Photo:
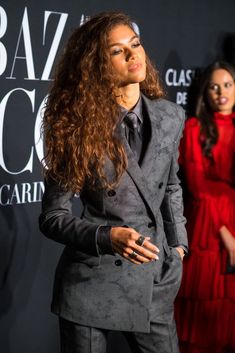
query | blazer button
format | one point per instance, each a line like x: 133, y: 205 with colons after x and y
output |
x: 150, y: 224
x: 111, y: 193
x: 160, y: 185
x: 118, y: 262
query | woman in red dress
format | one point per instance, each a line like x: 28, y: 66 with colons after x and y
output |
x: 205, y: 307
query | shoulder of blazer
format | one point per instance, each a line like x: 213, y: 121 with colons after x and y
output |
x: 170, y: 109
x: 168, y: 116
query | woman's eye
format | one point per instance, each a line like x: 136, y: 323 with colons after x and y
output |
x: 228, y: 84
x: 135, y: 45
x: 116, y: 52
x: 214, y: 88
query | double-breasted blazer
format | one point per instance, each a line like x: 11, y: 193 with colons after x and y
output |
x: 103, y: 289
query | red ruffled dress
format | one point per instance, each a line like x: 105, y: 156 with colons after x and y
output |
x: 205, y: 306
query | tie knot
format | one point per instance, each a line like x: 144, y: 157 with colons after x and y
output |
x: 131, y: 120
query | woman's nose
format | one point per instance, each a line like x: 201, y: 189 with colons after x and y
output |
x: 219, y: 90
x: 130, y: 55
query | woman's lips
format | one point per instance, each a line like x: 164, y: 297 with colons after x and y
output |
x: 222, y: 100
x: 134, y: 67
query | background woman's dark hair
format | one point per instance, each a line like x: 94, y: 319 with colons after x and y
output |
x: 204, y: 112
x: 81, y: 112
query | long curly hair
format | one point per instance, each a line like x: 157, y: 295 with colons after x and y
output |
x: 81, y: 113
x: 204, y: 113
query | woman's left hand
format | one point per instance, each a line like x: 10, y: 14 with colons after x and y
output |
x: 181, y: 252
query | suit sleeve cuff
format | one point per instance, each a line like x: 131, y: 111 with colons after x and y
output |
x: 103, y: 240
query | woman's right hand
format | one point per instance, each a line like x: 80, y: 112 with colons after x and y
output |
x: 125, y: 243
x: 229, y: 243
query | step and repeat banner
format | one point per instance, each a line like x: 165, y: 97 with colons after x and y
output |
x: 180, y: 36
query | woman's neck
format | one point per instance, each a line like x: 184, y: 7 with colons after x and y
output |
x: 128, y: 96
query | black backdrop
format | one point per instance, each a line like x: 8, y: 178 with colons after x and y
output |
x: 180, y: 36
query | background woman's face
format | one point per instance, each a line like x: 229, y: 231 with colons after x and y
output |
x: 221, y: 92
x: 127, y: 55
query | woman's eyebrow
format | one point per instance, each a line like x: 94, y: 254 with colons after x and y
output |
x: 119, y: 43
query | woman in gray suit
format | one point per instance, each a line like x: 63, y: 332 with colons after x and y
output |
x: 111, y: 138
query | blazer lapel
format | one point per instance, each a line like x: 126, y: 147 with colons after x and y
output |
x: 136, y: 173
x: 143, y: 176
x: 153, y: 145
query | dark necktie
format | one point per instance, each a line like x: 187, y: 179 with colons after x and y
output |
x: 134, y: 138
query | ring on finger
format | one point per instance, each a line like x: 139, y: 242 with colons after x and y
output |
x: 133, y: 255
x: 140, y: 240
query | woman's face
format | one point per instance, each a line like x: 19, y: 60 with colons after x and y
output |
x: 221, y: 92
x: 127, y: 55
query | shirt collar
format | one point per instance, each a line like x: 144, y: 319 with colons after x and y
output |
x: 137, y: 109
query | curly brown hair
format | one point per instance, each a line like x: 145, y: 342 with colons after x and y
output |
x: 81, y: 112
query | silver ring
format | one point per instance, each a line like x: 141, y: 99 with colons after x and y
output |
x: 133, y: 255
x: 140, y: 240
